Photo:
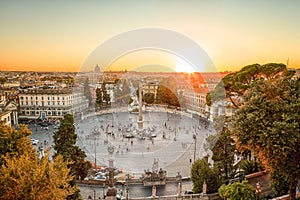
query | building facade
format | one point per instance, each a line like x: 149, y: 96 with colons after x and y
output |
x: 196, y: 101
x: 50, y: 103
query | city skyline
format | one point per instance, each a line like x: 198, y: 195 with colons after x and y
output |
x: 60, y: 35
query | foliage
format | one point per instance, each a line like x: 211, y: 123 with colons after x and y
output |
x: 208, y: 99
x: 268, y: 124
x: 248, y: 166
x: 149, y: 98
x: 99, y: 98
x: 223, y: 154
x: 87, y: 90
x: 279, y: 183
x: 64, y: 144
x: 122, y: 92
x: 237, y: 83
x: 201, y: 172
x: 167, y: 96
x: 23, y: 176
x: 102, y: 97
x: 237, y: 191
x: 14, y: 142
x: 106, y: 96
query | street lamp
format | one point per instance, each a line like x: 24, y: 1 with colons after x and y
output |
x: 95, y: 152
x: 195, y: 138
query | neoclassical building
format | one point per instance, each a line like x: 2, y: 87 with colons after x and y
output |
x: 50, y: 103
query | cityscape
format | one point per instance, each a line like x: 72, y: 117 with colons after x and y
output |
x: 155, y: 107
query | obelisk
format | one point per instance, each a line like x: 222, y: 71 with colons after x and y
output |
x: 140, y: 121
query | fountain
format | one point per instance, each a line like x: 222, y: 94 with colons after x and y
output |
x: 154, y: 178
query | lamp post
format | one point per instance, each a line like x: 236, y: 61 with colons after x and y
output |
x: 195, y: 138
x: 95, y: 152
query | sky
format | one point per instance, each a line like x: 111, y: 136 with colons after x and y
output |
x: 60, y: 35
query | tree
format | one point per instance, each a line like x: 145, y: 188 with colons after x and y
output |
x: 149, y: 98
x: 87, y: 90
x: 223, y: 154
x: 237, y: 191
x: 23, y: 176
x: 64, y: 144
x: 167, y: 96
x: 236, y: 84
x: 201, y: 172
x: 268, y: 124
x: 14, y: 142
x: 106, y: 96
x: 99, y: 98
x: 248, y: 166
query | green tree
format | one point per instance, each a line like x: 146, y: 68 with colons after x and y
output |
x: 236, y: 84
x: 237, y: 191
x: 105, y: 95
x: 149, y: 98
x: 64, y: 144
x: 167, y: 96
x: 87, y: 90
x: 248, y: 166
x: 223, y: 154
x: 268, y: 124
x: 99, y: 98
x: 201, y: 172
x: 122, y: 92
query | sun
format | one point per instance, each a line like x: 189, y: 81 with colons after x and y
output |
x: 183, y: 66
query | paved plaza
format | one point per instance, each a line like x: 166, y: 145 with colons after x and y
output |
x: 166, y: 136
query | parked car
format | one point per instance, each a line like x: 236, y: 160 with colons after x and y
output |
x: 188, y: 192
x: 34, y: 141
x: 100, y: 178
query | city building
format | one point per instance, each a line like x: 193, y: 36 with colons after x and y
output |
x: 196, y: 101
x: 50, y: 103
x: 150, y: 87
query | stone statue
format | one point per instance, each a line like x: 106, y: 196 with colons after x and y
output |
x: 155, y: 166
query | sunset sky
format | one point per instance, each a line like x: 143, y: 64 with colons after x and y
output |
x: 59, y: 35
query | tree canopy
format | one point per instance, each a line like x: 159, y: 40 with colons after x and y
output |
x: 23, y: 175
x: 236, y: 84
x: 237, y: 191
x: 268, y: 124
x: 167, y: 96
x: 201, y: 172
x: 64, y: 144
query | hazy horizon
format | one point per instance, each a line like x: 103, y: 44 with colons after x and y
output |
x: 61, y: 35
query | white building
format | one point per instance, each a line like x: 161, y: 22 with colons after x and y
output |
x: 196, y: 101
x: 50, y: 103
